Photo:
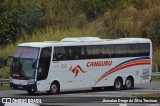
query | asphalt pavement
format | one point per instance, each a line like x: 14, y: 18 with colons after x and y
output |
x: 91, y: 98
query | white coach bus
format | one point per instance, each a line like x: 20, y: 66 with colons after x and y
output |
x: 80, y: 63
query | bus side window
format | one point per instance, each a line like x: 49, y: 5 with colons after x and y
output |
x: 132, y: 50
x: 120, y: 50
x: 93, y: 52
x: 83, y: 53
x: 74, y: 52
x: 106, y: 51
x: 144, y: 49
x: 59, y: 54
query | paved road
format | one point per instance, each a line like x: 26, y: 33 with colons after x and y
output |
x: 89, y: 98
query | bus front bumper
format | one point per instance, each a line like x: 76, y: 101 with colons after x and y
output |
x: 29, y: 87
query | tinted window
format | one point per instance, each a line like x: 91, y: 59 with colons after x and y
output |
x: 59, y: 54
x: 107, y: 51
x: 144, y: 49
x: 92, y: 52
x: 100, y: 51
x: 120, y: 50
x: 69, y: 53
x: 44, y: 63
x: 132, y: 50
x: 74, y: 52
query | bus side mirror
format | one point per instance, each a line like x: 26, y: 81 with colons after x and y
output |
x: 34, y: 64
x: 5, y: 60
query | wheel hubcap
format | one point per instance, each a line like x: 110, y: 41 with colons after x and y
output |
x: 118, y: 84
x: 128, y: 83
x: 54, y: 88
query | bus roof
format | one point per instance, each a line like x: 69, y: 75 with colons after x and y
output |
x: 85, y: 41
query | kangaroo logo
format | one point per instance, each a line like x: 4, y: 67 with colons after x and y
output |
x: 76, y: 70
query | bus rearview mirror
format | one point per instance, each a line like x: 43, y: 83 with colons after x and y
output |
x: 5, y: 60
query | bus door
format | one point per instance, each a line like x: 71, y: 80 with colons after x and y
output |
x: 43, y: 69
x: 62, y: 66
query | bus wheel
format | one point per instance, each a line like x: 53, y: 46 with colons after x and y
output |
x: 54, y: 89
x: 118, y: 84
x: 128, y: 83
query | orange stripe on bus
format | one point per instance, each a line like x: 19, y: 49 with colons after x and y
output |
x: 138, y: 62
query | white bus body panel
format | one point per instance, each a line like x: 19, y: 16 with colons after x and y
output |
x: 61, y: 71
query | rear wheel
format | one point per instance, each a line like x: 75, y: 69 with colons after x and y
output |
x: 54, y: 89
x: 118, y: 84
x: 128, y: 83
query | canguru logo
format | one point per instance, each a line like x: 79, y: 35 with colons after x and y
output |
x: 99, y: 63
x: 76, y: 70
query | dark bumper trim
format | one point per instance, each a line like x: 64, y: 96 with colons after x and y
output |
x: 28, y: 87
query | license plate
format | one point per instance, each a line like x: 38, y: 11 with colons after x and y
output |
x: 20, y: 87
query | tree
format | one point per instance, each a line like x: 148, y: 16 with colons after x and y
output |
x: 155, y: 33
x: 8, y: 27
x: 28, y: 18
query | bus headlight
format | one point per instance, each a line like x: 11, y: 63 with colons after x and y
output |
x: 31, y: 82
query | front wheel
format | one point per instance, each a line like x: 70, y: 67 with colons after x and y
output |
x: 118, y: 84
x: 54, y: 89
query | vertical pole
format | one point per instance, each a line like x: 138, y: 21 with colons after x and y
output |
x: 156, y: 69
x: 4, y: 72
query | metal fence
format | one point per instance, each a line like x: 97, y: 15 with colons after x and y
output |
x: 4, y: 81
x: 155, y: 74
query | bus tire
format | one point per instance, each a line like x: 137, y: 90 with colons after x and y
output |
x: 54, y: 89
x: 128, y: 83
x: 118, y: 83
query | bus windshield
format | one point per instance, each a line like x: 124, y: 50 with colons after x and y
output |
x: 21, y: 67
